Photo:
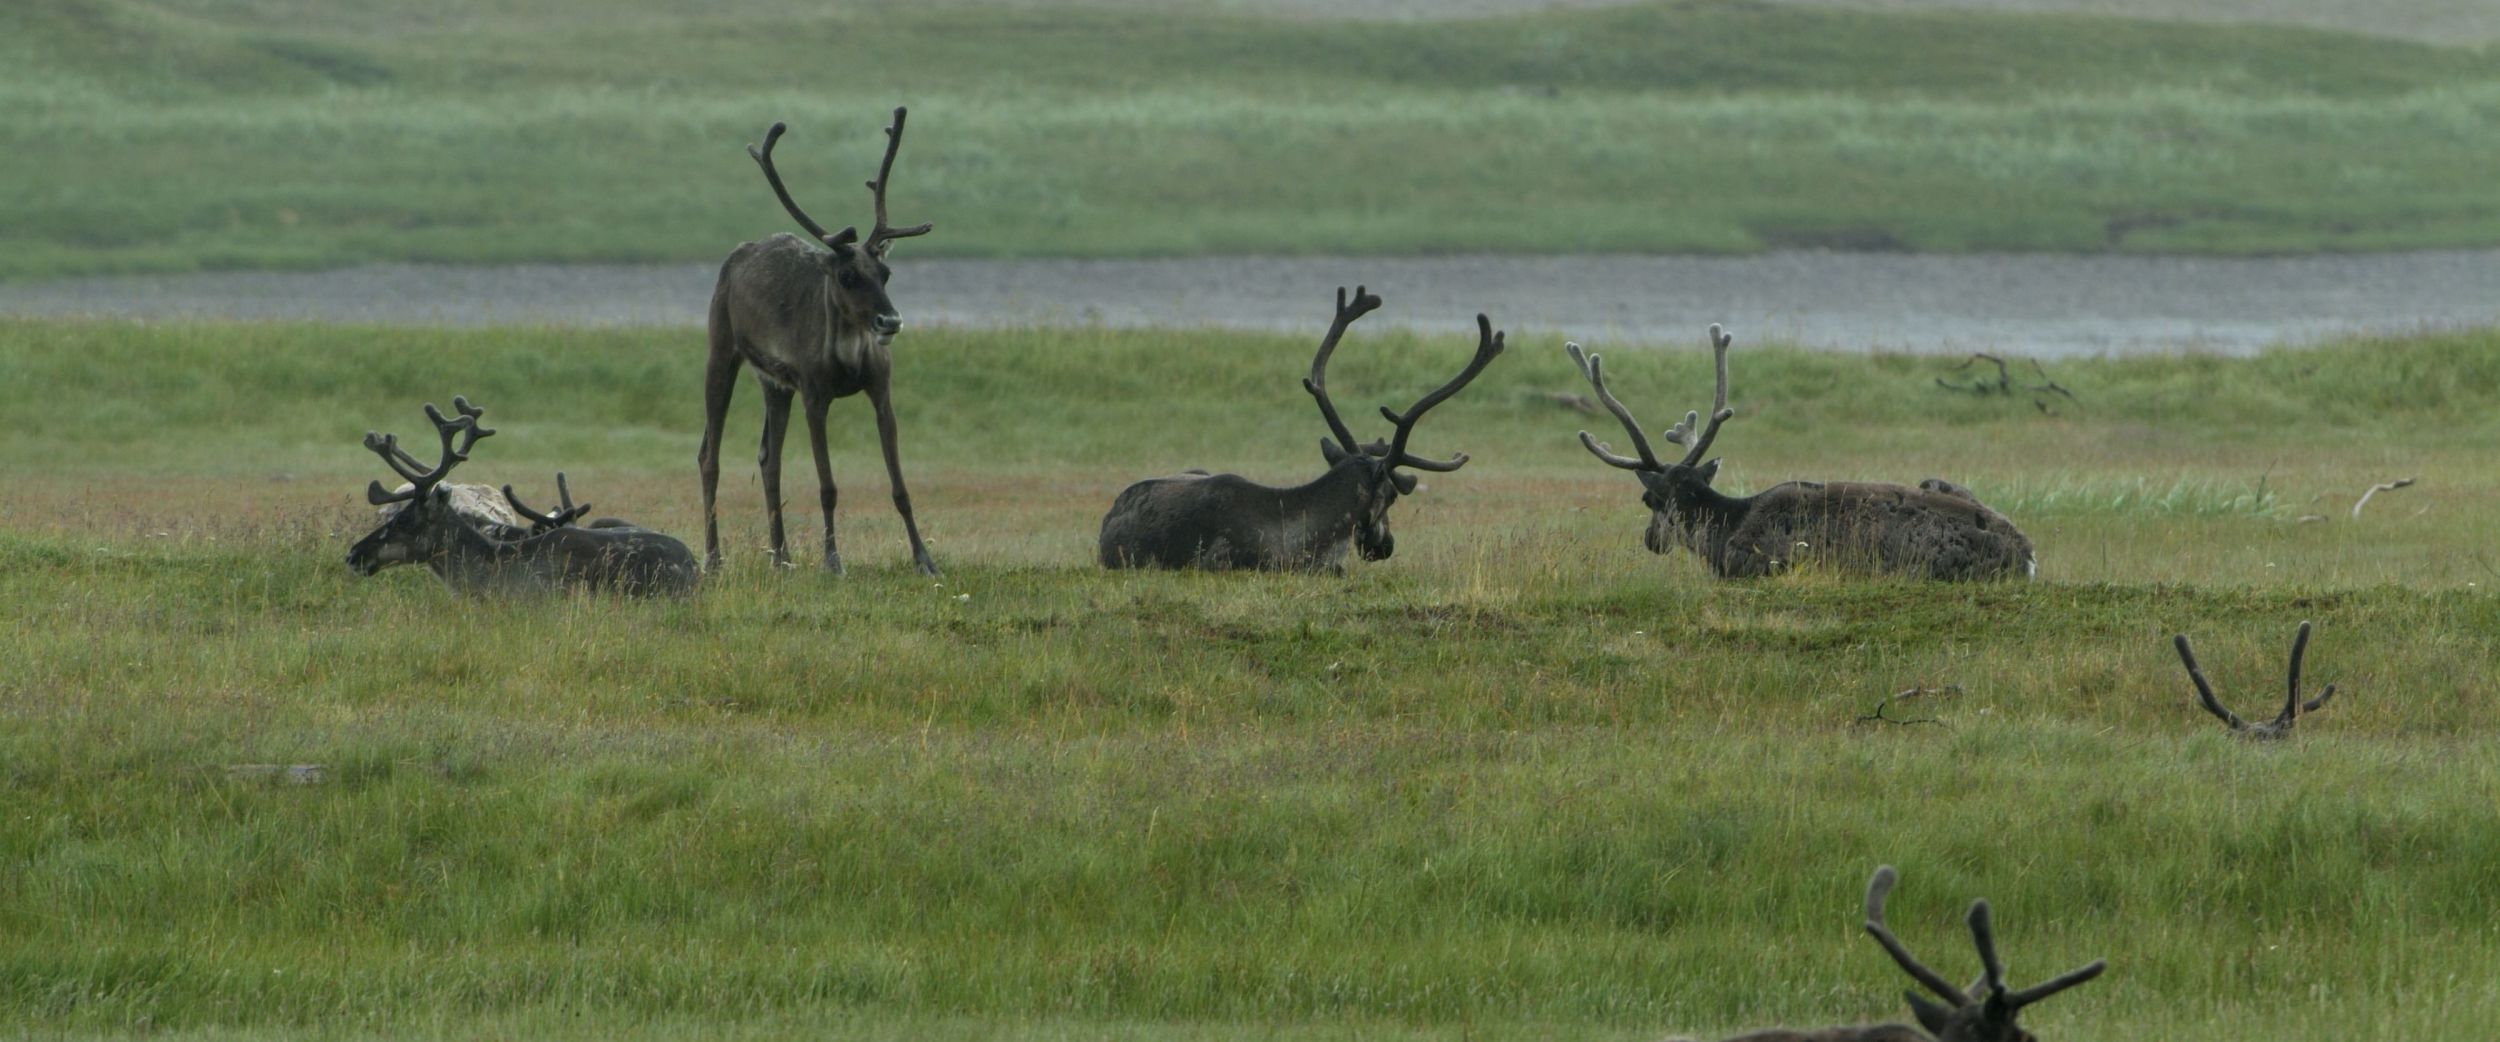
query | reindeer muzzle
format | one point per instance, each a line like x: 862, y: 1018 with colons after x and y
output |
x: 888, y: 324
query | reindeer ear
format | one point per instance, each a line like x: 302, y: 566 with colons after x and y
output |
x: 1709, y: 471
x: 1930, y: 1015
x: 1332, y: 452
x: 1404, y: 481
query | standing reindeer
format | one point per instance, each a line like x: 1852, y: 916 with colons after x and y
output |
x: 1983, y: 1012
x: 814, y: 323
x: 1224, y: 521
x: 430, y: 532
x: 1937, y: 531
x: 2277, y: 728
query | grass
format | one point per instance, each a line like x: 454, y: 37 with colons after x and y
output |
x: 1524, y: 780
x: 280, y: 133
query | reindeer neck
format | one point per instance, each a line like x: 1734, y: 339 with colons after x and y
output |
x: 1322, y: 514
x: 464, y: 554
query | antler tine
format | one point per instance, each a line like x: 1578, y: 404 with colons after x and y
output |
x: 566, y: 513
x: 387, y: 447
x: 1719, y: 412
x: 764, y: 158
x: 2205, y: 691
x: 885, y: 233
x: 2069, y: 979
x: 2312, y: 705
x: 1489, y: 344
x: 1592, y: 370
x: 1877, y: 889
x: 1317, y: 383
x: 1983, y: 935
x: 2291, y: 700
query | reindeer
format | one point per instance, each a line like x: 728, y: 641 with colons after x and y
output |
x: 2278, y: 728
x: 1938, y: 530
x: 1224, y: 521
x: 1983, y: 1012
x: 814, y: 323
x: 430, y: 531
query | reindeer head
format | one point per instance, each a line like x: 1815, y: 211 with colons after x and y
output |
x: 425, y: 527
x: 855, y: 270
x: 1983, y: 1012
x: 1675, y: 493
x: 1382, y: 480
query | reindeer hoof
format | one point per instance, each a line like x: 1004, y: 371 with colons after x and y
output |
x: 927, y: 567
x: 833, y: 564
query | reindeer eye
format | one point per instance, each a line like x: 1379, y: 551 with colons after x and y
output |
x: 848, y: 279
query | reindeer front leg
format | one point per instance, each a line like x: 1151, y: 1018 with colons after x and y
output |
x: 879, y: 395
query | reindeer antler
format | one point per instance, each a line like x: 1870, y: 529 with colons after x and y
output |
x: 422, y: 480
x: 1594, y: 371
x: 1682, y: 433
x: 883, y: 235
x: 1489, y: 343
x: 566, y: 513
x: 2282, y: 723
x: 1991, y: 984
x: 1364, y: 303
x: 1877, y: 890
x: 764, y: 158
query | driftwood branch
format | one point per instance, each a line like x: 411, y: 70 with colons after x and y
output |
x: 1879, y: 716
x: 2004, y: 386
x: 2384, y: 486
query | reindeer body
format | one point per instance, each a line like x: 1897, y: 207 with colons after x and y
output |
x: 1859, y: 526
x: 433, y: 527
x: 775, y: 307
x: 614, y: 557
x: 1938, y: 530
x: 1222, y: 522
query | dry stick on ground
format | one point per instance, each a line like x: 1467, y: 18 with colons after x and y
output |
x: 2384, y: 486
x: 1878, y: 717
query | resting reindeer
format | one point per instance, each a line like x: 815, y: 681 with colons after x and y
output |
x: 1938, y: 530
x: 429, y: 531
x: 1983, y: 1012
x: 1225, y: 521
x: 2281, y: 725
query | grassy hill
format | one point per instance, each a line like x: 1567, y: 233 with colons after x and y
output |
x: 1524, y: 780
x: 171, y: 135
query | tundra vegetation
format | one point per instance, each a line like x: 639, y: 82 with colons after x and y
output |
x: 1525, y: 780
x: 477, y: 133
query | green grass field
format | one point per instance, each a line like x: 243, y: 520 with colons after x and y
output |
x: 1525, y: 780
x: 182, y: 134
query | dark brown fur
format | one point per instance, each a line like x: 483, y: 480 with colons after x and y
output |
x: 1935, y: 531
x: 1856, y: 526
x: 1221, y: 522
x: 816, y: 324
